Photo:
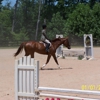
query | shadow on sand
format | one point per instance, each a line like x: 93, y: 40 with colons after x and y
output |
x: 55, y: 68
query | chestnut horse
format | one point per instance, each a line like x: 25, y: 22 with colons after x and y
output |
x: 31, y: 47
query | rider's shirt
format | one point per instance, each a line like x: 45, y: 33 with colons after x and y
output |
x: 42, y: 36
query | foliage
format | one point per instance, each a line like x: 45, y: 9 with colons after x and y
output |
x: 80, y: 57
x: 96, y: 14
x: 56, y: 25
x: 1, y: 4
x: 67, y: 17
x: 27, y: 17
x: 84, y: 20
x: 21, y: 36
x: 5, y: 25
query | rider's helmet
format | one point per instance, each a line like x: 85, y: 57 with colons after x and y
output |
x: 44, y: 26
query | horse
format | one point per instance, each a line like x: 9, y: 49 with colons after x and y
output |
x: 31, y: 47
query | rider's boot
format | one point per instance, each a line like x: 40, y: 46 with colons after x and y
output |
x: 47, y: 47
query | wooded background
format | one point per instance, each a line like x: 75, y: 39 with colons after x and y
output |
x: 72, y: 18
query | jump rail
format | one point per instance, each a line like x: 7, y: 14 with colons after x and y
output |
x: 27, y: 84
x: 72, y: 91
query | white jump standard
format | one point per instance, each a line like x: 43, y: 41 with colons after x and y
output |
x: 88, y: 46
x: 59, y: 49
x: 26, y: 78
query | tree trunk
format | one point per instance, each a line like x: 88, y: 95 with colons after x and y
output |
x: 38, y: 20
x: 14, y: 16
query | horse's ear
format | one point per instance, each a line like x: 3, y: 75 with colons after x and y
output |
x: 59, y: 37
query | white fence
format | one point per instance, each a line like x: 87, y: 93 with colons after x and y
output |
x: 27, y: 84
x: 26, y: 78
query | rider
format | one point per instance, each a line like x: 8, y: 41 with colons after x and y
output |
x: 44, y: 38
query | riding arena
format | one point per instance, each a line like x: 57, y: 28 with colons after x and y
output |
x: 75, y: 78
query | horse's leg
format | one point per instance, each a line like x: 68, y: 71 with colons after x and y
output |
x: 48, y: 58
x: 55, y: 58
x: 32, y: 55
x: 26, y: 54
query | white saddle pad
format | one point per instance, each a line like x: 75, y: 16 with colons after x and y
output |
x: 42, y: 43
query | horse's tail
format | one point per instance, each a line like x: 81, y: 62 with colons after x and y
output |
x: 19, y: 49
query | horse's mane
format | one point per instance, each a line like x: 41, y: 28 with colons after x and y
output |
x: 55, y: 39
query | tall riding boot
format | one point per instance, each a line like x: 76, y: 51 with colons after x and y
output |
x: 47, y: 47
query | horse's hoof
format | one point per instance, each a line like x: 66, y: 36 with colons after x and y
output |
x: 44, y: 65
x: 41, y: 68
x: 59, y: 67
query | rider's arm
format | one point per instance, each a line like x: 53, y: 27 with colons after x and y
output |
x: 45, y: 36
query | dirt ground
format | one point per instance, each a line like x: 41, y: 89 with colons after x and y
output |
x: 75, y: 74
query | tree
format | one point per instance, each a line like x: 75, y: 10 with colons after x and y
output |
x: 96, y: 22
x: 56, y: 25
x: 84, y: 20
x: 92, y: 2
x: 26, y: 17
x: 80, y: 21
x: 38, y: 20
x: 14, y: 16
x: 48, y: 9
x: 21, y: 36
x: 5, y: 24
x: 0, y: 4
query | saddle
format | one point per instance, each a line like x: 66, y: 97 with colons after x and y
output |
x: 43, y: 43
x: 47, y: 46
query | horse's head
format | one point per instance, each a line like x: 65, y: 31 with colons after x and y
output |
x: 66, y: 43
x: 58, y: 41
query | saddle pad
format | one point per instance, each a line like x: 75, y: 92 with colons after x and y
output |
x: 42, y: 43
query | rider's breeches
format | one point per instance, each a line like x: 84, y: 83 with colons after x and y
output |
x: 47, y: 41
